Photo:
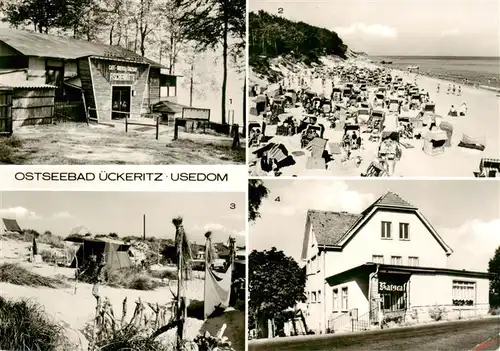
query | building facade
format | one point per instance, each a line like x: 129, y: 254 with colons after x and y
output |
x: 386, y: 264
x: 111, y: 82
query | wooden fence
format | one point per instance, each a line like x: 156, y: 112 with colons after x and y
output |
x: 5, y: 112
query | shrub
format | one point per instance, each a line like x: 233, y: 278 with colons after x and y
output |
x: 437, y: 313
x: 15, y: 274
x: 48, y: 256
x: 130, y: 278
x: 24, y: 326
x: 129, y: 338
x: 166, y: 274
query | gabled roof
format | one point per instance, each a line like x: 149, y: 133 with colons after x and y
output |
x: 391, y: 200
x: 335, y: 229
x: 44, y: 45
x: 11, y: 225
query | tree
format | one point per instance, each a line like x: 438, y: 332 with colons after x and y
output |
x: 494, y: 271
x: 275, y: 283
x: 146, y: 20
x: 257, y: 191
x: 41, y: 14
x: 212, y: 24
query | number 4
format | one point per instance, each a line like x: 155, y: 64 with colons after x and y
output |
x: 278, y: 199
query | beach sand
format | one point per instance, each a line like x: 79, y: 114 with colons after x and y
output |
x: 481, y: 121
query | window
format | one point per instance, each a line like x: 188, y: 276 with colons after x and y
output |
x: 313, y: 297
x: 378, y: 259
x: 404, y: 231
x: 335, y: 299
x: 386, y: 230
x: 319, y: 296
x: 344, y: 299
x: 396, y: 260
x: 413, y: 261
x: 464, y: 293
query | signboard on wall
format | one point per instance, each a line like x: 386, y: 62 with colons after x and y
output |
x: 390, y: 286
x: 118, y: 73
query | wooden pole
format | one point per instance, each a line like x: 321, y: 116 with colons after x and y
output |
x: 180, y: 310
x: 144, y: 227
x: 126, y: 124
x: 176, y: 128
x: 157, y: 127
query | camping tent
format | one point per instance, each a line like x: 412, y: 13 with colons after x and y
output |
x: 115, y: 253
x: 11, y: 225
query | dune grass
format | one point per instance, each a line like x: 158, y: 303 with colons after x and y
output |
x: 24, y: 326
x: 131, y: 278
x: 130, y: 338
x: 15, y: 274
x: 8, y: 150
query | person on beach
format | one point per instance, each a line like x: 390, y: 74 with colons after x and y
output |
x: 459, y: 90
x: 463, y: 109
x: 453, y: 111
x: 449, y: 89
x: 453, y: 90
x: 438, y: 88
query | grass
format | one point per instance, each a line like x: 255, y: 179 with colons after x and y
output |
x: 131, y: 278
x: 8, y: 147
x: 77, y: 143
x: 45, y: 238
x: 15, y: 274
x: 130, y: 338
x: 24, y: 326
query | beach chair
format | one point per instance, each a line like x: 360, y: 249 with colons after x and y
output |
x: 434, y: 142
x: 489, y: 168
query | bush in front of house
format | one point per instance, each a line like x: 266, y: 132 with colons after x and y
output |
x: 25, y: 326
x: 437, y: 313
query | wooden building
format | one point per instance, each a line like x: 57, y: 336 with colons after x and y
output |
x: 111, y: 82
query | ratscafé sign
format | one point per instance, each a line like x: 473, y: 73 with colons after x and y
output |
x: 119, y: 73
x: 388, y: 287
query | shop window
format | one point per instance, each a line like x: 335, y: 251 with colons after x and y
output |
x: 394, y: 301
x: 396, y: 260
x: 413, y: 261
x: 345, y: 300
x: 464, y: 293
x: 386, y: 230
x: 378, y: 259
x: 404, y: 231
x: 335, y: 299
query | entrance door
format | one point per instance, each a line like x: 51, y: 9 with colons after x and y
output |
x: 120, y: 102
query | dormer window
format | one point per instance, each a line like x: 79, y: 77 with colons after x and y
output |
x: 386, y: 230
x: 404, y: 231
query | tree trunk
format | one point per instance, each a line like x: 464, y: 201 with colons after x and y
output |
x: 191, y: 85
x: 245, y: 107
x: 111, y: 30
x: 224, y: 59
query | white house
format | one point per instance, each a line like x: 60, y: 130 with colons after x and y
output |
x: 387, y: 261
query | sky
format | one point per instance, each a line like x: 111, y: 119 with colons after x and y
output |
x: 402, y: 27
x: 466, y: 214
x: 122, y: 213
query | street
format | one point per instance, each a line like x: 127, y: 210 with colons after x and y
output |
x: 478, y: 335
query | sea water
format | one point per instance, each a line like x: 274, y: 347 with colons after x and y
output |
x: 478, y: 71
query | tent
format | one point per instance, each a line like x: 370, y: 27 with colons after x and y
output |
x: 11, y: 225
x: 115, y: 253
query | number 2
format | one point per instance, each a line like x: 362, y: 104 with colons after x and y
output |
x: 280, y: 10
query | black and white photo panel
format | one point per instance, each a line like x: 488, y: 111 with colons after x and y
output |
x: 373, y: 265
x: 374, y: 88
x: 122, y: 270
